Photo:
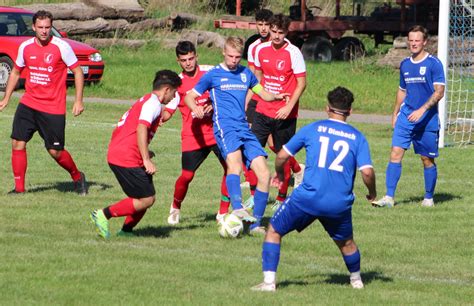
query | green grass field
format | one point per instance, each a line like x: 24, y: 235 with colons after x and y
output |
x: 50, y: 253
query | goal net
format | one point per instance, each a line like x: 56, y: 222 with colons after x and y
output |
x: 459, y: 116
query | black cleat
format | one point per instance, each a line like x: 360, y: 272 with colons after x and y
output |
x: 14, y: 192
x: 80, y: 186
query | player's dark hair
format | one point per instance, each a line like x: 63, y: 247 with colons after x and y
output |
x: 42, y: 15
x: 263, y: 15
x: 184, y: 47
x: 280, y: 21
x: 419, y: 28
x: 166, y: 78
x: 340, y: 100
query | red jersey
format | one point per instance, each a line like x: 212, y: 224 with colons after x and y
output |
x: 280, y: 68
x: 195, y: 133
x: 46, y: 74
x: 252, y: 49
x: 123, y: 147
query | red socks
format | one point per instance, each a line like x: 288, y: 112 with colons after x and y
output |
x: 225, y: 201
x: 19, y: 165
x: 132, y: 220
x: 294, y: 165
x: 65, y: 161
x: 121, y: 208
x: 282, y: 192
x: 181, y: 187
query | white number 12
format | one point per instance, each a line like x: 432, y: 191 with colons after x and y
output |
x: 338, y: 145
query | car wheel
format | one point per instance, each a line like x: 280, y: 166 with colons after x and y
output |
x: 317, y: 48
x: 6, y: 66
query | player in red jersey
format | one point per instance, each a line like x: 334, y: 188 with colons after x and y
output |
x: 197, y: 136
x: 43, y: 106
x: 280, y: 67
x: 262, y: 18
x: 129, y: 157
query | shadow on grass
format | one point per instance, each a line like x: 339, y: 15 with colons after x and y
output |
x: 161, y: 231
x: 339, y: 279
x: 68, y: 187
x: 439, y: 198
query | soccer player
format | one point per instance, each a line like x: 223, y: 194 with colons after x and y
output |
x: 280, y: 67
x: 43, y: 106
x: 129, y: 158
x: 262, y: 18
x: 228, y: 84
x: 334, y: 152
x: 415, y: 116
x: 197, y: 136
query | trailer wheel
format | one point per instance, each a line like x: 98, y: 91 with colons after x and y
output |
x: 317, y: 48
x: 349, y: 49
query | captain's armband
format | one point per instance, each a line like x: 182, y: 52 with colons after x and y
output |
x: 257, y: 88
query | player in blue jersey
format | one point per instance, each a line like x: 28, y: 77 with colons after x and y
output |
x: 415, y: 116
x: 228, y: 84
x: 334, y: 152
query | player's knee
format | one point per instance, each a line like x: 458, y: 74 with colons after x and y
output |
x: 18, y: 145
x: 396, y: 155
x: 187, y: 175
x: 54, y: 153
x: 428, y: 162
x: 148, y: 201
x: 272, y: 235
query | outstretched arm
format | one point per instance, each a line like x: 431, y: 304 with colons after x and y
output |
x: 11, y: 84
x: 190, y: 101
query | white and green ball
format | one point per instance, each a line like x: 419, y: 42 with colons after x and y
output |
x: 230, y: 226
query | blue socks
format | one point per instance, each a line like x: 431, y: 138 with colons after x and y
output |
x: 352, y: 261
x: 260, y: 199
x: 394, y: 171
x: 431, y: 175
x: 232, y: 182
x: 270, y: 256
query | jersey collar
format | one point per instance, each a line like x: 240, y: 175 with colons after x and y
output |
x: 417, y: 62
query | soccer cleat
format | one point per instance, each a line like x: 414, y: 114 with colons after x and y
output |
x: 125, y: 234
x: 257, y: 231
x: 248, y: 204
x: 220, y: 217
x: 427, y: 203
x: 244, y: 215
x: 173, y: 218
x: 386, y: 201
x: 264, y: 287
x: 298, y: 176
x: 276, y: 205
x: 80, y: 186
x: 101, y: 223
x: 357, y: 283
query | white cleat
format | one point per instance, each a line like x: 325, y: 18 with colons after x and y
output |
x: 298, y: 176
x: 173, y: 218
x: 264, y: 287
x: 357, y: 283
x: 257, y: 231
x: 244, y: 215
x: 220, y: 217
x: 427, y: 203
x: 386, y: 201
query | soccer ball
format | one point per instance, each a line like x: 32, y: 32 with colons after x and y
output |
x: 230, y: 226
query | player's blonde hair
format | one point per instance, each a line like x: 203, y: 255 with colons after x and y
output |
x: 234, y: 42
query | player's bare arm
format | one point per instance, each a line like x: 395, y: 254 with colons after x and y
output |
x: 368, y: 177
x: 12, y: 81
x: 165, y: 116
x: 142, y: 142
x: 268, y: 96
x: 401, y: 94
x: 283, y: 112
x: 190, y: 101
x: 78, y: 106
x: 432, y: 101
x: 258, y: 74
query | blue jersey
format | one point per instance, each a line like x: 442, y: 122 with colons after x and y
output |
x: 417, y: 79
x: 334, y: 152
x: 228, y: 89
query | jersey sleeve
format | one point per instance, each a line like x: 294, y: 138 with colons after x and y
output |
x: 20, y: 59
x: 253, y: 81
x: 402, y: 85
x: 297, y: 141
x: 173, y: 104
x: 256, y: 58
x: 297, y: 63
x: 151, y: 110
x: 438, y: 73
x: 204, y: 84
x: 250, y: 55
x: 363, y: 154
x: 68, y: 56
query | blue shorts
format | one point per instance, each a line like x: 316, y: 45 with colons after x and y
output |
x: 425, y: 143
x: 232, y: 139
x: 289, y: 217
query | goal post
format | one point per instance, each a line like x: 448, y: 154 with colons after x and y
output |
x: 456, y: 52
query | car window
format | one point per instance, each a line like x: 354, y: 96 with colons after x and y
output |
x: 18, y: 24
